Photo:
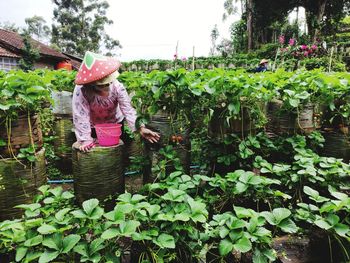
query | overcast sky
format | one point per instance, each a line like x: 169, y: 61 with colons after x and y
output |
x: 146, y: 28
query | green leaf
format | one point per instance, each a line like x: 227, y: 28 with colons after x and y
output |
x: 79, y: 214
x: 259, y: 257
x: 4, y: 107
x: 137, y: 198
x: 311, y: 192
x: 243, y: 245
x: 67, y: 195
x: 165, y: 241
x: 60, y: 214
x: 57, y: 191
x: 69, y: 242
x: 288, y: 226
x: 49, y: 200
x: 234, y: 108
x: 182, y: 217
x: 32, y: 255
x: 240, y: 188
x: 242, y: 212
x: 20, y: 253
x: 82, y: 249
x: 294, y: 102
x: 33, y: 222
x: 90, y: 205
x: 33, y: 241
x: 96, y: 245
x: 46, y: 229
x: 280, y: 214
x: 124, y: 208
x: 129, y: 227
x: 48, y: 256
x: 36, y: 89
x: 153, y: 210
x: 269, y: 217
x: 223, y: 232
x: 126, y: 197
x: 110, y: 233
x: 30, y: 207
x: 341, y: 230
x: 322, y: 224
x: 54, y: 242
x: 97, y: 213
x: 333, y: 219
x: 340, y: 196
x: 225, y: 247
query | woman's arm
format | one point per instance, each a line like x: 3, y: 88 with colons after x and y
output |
x: 125, y: 105
x: 130, y: 114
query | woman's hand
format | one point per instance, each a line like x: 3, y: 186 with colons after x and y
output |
x: 149, y: 135
x: 86, y: 146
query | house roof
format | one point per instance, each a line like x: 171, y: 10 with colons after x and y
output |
x: 13, y: 42
x: 6, y: 53
x: 74, y: 60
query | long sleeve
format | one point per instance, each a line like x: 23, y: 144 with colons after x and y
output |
x: 125, y: 106
x: 81, y: 116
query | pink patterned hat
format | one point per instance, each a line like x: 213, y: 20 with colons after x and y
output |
x: 95, y: 67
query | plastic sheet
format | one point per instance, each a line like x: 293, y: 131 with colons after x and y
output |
x: 18, y: 184
x: 98, y: 173
x: 62, y: 102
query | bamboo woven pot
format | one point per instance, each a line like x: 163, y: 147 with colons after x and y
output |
x: 98, y: 173
x: 18, y: 184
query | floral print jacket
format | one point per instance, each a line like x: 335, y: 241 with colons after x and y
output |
x: 90, y: 108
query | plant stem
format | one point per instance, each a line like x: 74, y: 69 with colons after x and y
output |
x: 330, y: 248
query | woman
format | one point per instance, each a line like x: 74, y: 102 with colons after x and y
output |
x: 96, y: 98
x: 262, y: 66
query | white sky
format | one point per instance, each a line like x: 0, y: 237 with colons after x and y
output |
x: 147, y: 29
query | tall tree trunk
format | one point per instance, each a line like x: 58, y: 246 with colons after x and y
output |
x: 320, y: 13
x: 250, y: 24
x: 297, y: 22
x: 314, y: 10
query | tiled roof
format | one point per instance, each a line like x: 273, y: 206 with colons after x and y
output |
x: 7, y: 53
x: 74, y: 60
x: 75, y: 64
x: 13, y: 41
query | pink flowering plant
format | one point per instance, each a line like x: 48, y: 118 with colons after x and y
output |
x: 293, y: 50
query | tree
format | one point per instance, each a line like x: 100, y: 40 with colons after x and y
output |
x: 29, y: 54
x: 250, y: 12
x: 239, y: 36
x: 37, y: 28
x: 79, y: 25
x: 213, y: 36
x: 9, y: 26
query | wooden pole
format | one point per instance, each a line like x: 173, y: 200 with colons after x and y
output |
x: 193, y: 58
x: 330, y: 59
x: 175, y: 56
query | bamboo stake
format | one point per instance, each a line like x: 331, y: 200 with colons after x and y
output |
x: 175, y: 57
x: 330, y: 59
x: 193, y: 58
x: 274, y: 63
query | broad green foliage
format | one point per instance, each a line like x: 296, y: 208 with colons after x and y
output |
x: 278, y: 185
x: 28, y: 91
x: 202, y: 92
